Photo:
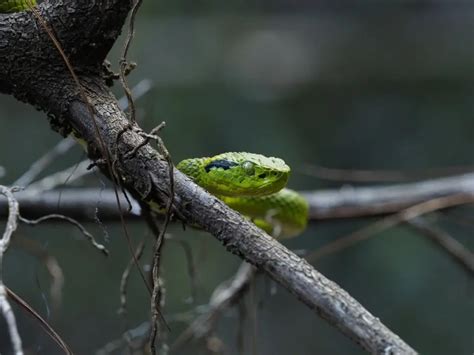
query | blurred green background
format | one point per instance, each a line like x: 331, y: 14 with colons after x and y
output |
x: 356, y: 85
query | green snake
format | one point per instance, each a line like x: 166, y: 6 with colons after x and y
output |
x: 254, y: 185
x: 16, y: 5
x: 249, y: 183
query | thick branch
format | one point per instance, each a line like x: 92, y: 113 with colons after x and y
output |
x: 145, y: 174
x: 31, y: 68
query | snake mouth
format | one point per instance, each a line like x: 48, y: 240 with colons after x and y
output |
x: 270, y: 182
x: 253, y: 188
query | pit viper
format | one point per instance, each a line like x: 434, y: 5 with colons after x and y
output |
x: 254, y: 185
x: 249, y: 183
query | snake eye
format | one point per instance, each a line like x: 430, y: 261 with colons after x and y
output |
x: 248, y: 167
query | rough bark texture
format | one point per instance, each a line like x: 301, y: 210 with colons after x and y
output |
x: 31, y: 68
x: 32, y: 71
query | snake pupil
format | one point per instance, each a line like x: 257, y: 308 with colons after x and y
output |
x: 249, y: 168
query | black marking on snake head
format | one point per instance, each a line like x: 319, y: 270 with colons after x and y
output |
x: 220, y: 164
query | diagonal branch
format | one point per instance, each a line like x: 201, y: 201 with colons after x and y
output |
x: 146, y: 177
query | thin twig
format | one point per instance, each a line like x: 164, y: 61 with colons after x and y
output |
x: 125, y: 277
x: 225, y: 295
x: 158, y: 287
x: 158, y: 290
x: 68, y: 175
x: 389, y: 222
x: 45, y: 325
x: 5, y: 307
x: 138, y: 91
x: 97, y: 218
x: 44, y: 161
x: 159, y: 232
x: 72, y: 221
x: 125, y: 67
x: 147, y: 138
x: 458, y: 252
x: 137, y: 336
x: 51, y: 264
x: 67, y: 181
x: 191, y: 268
x: 13, y: 217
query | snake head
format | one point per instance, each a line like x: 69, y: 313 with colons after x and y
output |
x: 238, y: 174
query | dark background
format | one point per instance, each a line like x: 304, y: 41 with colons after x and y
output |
x: 356, y: 85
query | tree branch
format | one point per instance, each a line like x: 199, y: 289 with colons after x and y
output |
x: 369, y: 201
x: 346, y: 202
x: 32, y: 71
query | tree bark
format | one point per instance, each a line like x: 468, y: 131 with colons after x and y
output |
x: 33, y: 72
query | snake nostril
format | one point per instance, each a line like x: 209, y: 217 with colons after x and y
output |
x: 262, y: 175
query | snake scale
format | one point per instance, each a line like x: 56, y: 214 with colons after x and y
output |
x: 16, y: 5
x: 249, y: 183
